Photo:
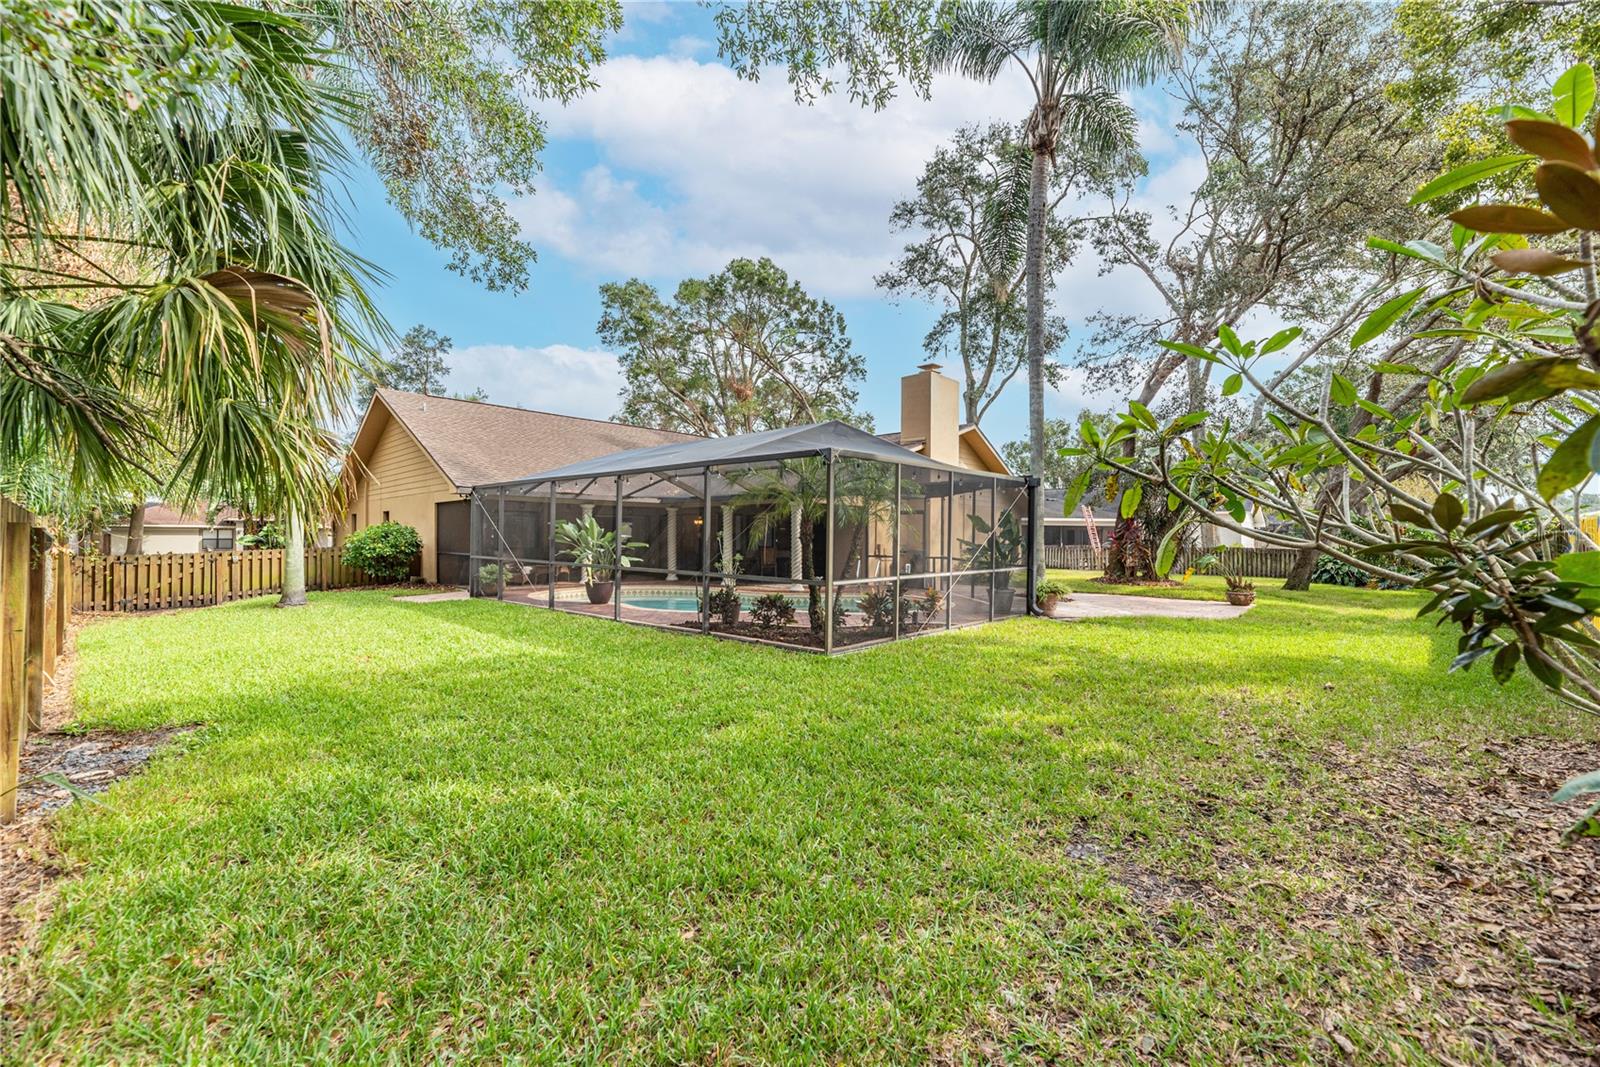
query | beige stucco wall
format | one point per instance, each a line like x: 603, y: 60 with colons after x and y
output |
x: 402, y: 480
x: 158, y: 539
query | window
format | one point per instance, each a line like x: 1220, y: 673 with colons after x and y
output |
x: 352, y: 527
x: 385, y: 516
x: 218, y: 540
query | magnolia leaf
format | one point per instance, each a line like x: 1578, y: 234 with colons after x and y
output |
x: 1467, y: 174
x: 1577, y: 787
x: 1508, y: 218
x: 1167, y: 551
x: 1414, y: 249
x: 1574, y: 94
x: 1342, y: 390
x: 1130, y: 500
x: 1373, y: 408
x: 1505, y: 663
x: 1447, y: 511
x: 1535, y: 261
x: 1571, y: 462
x: 1075, y: 491
x: 1280, y: 340
x: 1551, y: 140
x: 1580, y: 567
x: 1571, y: 192
x: 1233, y: 384
x: 1385, y: 316
x: 1230, y: 340
x: 1142, y: 415
x: 1530, y: 379
x: 1408, y: 514
x: 1184, y: 422
x: 1194, y: 351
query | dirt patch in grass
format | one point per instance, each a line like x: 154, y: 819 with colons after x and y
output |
x: 57, y: 768
x: 1455, y: 873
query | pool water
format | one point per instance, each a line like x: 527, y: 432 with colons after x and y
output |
x: 663, y: 603
x: 690, y: 604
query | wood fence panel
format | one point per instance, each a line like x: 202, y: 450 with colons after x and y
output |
x: 193, y: 579
x: 1247, y: 562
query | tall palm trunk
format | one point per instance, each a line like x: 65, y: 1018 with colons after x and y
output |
x: 294, y: 563
x: 1035, y: 273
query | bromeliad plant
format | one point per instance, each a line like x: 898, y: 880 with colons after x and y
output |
x: 595, y: 549
x: 1445, y: 456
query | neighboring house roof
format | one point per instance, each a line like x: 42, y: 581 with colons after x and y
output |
x: 162, y: 515
x: 474, y: 443
x: 969, y: 433
x: 1051, y: 500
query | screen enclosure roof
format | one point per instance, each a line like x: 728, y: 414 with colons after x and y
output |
x: 816, y: 439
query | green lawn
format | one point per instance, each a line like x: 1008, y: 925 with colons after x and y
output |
x: 408, y: 830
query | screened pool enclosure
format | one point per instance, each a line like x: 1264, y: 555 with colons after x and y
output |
x: 821, y: 537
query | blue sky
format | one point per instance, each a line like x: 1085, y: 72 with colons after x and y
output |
x: 671, y: 168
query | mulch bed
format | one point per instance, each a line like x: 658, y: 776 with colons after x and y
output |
x: 1153, y: 583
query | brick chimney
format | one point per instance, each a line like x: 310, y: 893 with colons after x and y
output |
x: 930, y: 406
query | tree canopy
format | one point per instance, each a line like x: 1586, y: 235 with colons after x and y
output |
x: 444, y: 97
x: 172, y: 295
x: 745, y: 349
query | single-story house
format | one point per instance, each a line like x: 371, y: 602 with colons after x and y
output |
x: 415, y: 458
x: 170, y: 530
x: 1063, y: 529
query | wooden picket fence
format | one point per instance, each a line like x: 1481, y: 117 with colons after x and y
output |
x: 1247, y: 562
x: 197, y: 579
x: 34, y: 606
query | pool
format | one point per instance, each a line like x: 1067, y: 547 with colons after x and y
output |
x: 657, y: 601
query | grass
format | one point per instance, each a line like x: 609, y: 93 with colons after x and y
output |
x: 409, y: 831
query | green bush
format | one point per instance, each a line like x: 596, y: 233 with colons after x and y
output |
x: 1330, y: 571
x: 772, y: 611
x: 384, y: 551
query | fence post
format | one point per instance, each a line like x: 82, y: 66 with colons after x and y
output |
x: 33, y: 639
x: 13, y: 684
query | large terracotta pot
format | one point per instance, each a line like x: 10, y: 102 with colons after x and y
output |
x: 599, y: 592
x: 1241, y: 598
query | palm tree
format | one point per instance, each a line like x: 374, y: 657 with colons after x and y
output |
x: 172, y: 296
x: 1077, y: 57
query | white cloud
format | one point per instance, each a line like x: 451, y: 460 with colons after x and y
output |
x: 697, y: 167
x: 561, y: 378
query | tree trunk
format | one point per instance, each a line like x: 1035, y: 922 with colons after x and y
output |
x: 1300, y: 571
x: 294, y: 563
x: 136, y: 529
x: 1035, y: 272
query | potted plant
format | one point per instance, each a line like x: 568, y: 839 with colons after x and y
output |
x: 1241, y: 591
x: 490, y: 578
x: 1049, y: 592
x: 595, y: 550
x: 1005, y: 597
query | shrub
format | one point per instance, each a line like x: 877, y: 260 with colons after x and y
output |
x: 771, y: 611
x: 269, y: 536
x: 384, y: 551
x: 1330, y: 571
x: 878, y: 607
x: 725, y: 604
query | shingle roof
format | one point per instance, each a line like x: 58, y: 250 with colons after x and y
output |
x: 1051, y: 501
x: 474, y: 443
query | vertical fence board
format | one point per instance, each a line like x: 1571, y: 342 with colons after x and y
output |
x: 190, y: 579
